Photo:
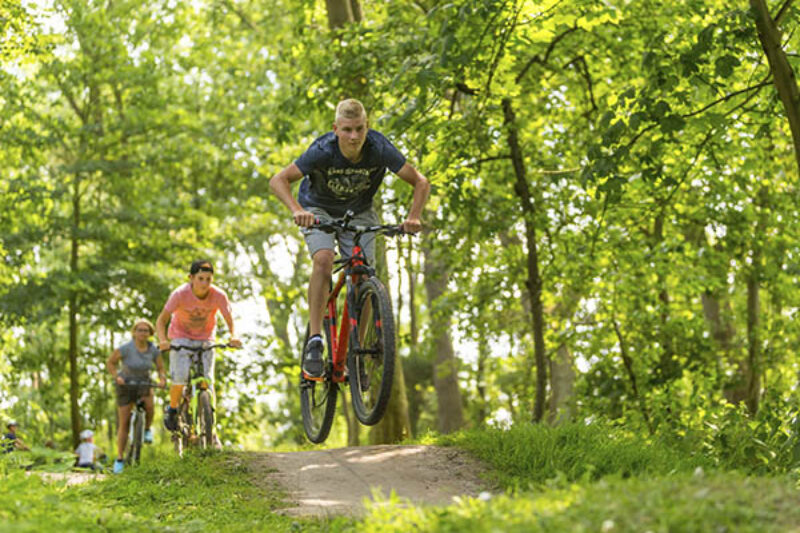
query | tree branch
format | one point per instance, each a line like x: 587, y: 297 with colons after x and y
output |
x: 782, y: 11
x: 550, y: 48
x: 727, y: 97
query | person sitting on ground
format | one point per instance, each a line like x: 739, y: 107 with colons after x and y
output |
x: 12, y: 441
x: 191, y: 311
x: 138, y: 357
x: 87, y: 451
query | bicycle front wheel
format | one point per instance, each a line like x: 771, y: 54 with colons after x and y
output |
x: 136, y: 438
x: 370, y: 361
x: 205, y: 419
x: 318, y: 398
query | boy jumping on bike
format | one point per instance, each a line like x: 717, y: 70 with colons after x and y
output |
x: 343, y: 170
x: 191, y: 311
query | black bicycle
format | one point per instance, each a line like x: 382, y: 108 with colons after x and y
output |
x: 137, y: 418
x: 362, y: 352
x: 196, y: 410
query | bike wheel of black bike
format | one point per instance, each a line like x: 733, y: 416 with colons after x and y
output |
x: 137, y: 437
x: 318, y: 398
x: 370, y: 360
x: 205, y: 419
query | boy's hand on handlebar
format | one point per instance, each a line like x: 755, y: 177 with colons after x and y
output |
x: 235, y: 343
x: 303, y: 218
x: 412, y: 225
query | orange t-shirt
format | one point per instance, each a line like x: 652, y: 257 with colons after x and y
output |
x: 193, y: 318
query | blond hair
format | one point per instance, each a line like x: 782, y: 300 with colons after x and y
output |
x: 146, y: 323
x: 350, y: 108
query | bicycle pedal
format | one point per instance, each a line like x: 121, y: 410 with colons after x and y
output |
x: 312, y: 378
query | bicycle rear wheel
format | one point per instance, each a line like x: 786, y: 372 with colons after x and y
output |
x: 318, y: 398
x: 205, y: 419
x: 370, y: 360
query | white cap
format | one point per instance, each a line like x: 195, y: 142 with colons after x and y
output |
x: 86, y: 433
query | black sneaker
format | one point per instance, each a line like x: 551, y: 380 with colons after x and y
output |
x: 171, y: 419
x: 313, y: 366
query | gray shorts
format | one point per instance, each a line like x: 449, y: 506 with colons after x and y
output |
x: 180, y: 362
x: 317, y: 240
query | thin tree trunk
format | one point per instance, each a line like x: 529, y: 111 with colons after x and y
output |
x: 480, y: 380
x: 74, y: 384
x: 396, y: 424
x: 628, y: 362
x: 412, y: 288
x: 534, y: 281
x: 445, y: 368
x: 753, y: 339
x: 353, y: 427
x: 562, y: 380
x: 782, y: 73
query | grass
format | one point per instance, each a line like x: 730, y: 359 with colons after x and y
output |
x: 528, y: 455
x: 212, y: 491
x: 727, y: 502
x: 573, y: 477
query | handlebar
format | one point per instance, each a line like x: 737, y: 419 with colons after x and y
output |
x: 202, y: 347
x: 137, y: 382
x: 334, y: 226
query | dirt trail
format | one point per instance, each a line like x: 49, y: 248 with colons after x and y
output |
x: 336, y: 482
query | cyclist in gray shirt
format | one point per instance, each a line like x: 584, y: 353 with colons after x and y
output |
x: 137, y: 357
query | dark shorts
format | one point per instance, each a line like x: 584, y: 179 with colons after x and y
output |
x: 127, y: 394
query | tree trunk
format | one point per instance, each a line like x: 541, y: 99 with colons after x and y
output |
x: 353, y: 427
x: 396, y: 424
x: 450, y: 415
x: 668, y: 367
x: 753, y: 375
x: 341, y: 12
x: 74, y: 384
x: 534, y: 281
x: 782, y: 73
x: 480, y: 380
x: 754, y: 362
x: 562, y: 380
x: 412, y: 289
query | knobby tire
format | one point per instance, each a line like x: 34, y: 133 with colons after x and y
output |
x: 318, y: 398
x: 205, y: 419
x: 135, y: 446
x: 371, y: 366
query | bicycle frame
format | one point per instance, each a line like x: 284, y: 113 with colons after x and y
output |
x: 339, y: 342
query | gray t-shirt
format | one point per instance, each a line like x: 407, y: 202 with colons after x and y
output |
x: 136, y: 364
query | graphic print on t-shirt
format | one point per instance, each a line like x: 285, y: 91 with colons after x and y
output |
x: 197, y: 317
x: 348, y: 183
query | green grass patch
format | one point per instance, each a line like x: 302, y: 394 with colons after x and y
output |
x: 532, y: 454
x: 681, y: 503
x: 202, y: 491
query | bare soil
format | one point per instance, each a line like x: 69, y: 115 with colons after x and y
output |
x: 340, y: 481
x: 71, y: 478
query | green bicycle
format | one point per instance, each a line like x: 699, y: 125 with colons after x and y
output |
x: 196, y: 410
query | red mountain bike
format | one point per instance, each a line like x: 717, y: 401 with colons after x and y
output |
x: 362, y: 352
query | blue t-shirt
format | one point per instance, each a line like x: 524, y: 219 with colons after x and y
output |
x: 334, y: 183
